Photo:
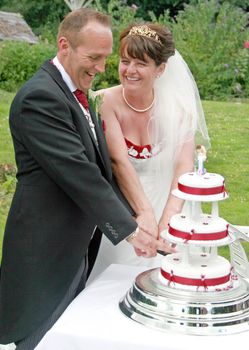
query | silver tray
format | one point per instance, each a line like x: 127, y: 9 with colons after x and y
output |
x: 201, y: 313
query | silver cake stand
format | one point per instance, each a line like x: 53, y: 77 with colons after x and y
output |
x: 158, y: 306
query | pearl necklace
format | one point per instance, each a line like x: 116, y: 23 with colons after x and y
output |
x: 136, y: 109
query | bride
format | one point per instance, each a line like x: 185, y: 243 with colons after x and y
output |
x: 152, y: 121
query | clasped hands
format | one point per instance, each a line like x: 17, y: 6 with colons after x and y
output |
x: 146, y: 239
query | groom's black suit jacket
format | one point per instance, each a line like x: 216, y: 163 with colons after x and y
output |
x: 63, y: 191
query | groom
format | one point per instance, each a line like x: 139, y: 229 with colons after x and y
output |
x: 64, y: 195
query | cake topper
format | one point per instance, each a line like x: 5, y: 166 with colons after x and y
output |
x: 201, y: 156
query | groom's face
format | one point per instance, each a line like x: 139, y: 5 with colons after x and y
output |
x: 89, y: 57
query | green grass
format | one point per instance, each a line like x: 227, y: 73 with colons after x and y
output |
x: 6, y: 148
x: 6, y: 158
x: 228, y: 124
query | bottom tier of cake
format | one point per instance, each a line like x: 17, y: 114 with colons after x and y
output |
x: 202, y: 272
x: 158, y: 306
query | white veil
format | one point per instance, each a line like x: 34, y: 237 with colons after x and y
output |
x: 176, y: 118
x: 178, y: 105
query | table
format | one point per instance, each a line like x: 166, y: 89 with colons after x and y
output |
x: 93, y: 321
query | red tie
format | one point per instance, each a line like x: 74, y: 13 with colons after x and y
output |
x: 81, y: 97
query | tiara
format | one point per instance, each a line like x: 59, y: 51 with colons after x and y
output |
x: 144, y: 30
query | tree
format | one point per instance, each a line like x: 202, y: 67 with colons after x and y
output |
x: 38, y: 14
x: 158, y: 7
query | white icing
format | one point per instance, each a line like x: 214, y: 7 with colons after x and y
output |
x: 207, y: 180
x: 202, y: 224
x: 198, y: 265
x: 204, y: 181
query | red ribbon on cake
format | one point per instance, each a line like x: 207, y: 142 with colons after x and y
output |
x: 195, y: 236
x: 198, y: 282
x: 202, y: 191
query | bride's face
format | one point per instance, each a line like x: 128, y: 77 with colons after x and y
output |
x: 135, y: 73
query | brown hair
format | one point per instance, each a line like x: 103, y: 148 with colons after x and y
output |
x: 137, y: 46
x: 73, y: 23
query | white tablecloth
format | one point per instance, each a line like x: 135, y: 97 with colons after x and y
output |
x: 94, y: 322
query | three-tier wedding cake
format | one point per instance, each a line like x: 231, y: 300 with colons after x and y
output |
x: 198, y: 266
x: 196, y: 290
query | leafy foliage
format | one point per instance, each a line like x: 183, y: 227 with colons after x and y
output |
x: 158, y: 7
x: 42, y: 16
x: 209, y: 34
x: 210, y: 37
x: 19, y: 61
x: 244, y: 4
x: 121, y: 15
x: 110, y: 76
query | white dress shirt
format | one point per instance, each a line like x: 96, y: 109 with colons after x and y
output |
x: 72, y: 88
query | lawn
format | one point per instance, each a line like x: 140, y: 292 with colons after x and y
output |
x: 6, y: 159
x: 228, y: 124
x: 6, y: 149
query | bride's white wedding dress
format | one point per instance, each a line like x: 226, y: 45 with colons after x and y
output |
x: 142, y: 158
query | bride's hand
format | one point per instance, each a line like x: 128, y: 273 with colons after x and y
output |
x: 163, y: 225
x: 147, y: 222
x: 168, y: 212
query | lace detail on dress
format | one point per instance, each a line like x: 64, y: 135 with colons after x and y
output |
x: 140, y: 152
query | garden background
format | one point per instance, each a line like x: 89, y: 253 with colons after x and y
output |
x: 212, y: 36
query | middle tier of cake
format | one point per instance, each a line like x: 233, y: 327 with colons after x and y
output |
x: 204, y: 229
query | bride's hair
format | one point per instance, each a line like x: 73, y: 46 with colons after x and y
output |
x: 148, y: 39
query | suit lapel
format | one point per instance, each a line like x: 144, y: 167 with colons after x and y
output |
x: 101, y: 147
x: 101, y: 142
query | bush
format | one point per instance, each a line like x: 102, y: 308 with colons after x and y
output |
x: 43, y: 15
x: 158, y: 7
x: 121, y: 15
x: 19, y: 61
x: 110, y: 77
x: 210, y: 36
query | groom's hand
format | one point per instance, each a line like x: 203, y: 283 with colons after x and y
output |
x: 145, y: 244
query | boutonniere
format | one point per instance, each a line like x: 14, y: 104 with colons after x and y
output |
x: 95, y: 101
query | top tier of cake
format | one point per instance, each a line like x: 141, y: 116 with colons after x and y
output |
x: 205, y: 187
